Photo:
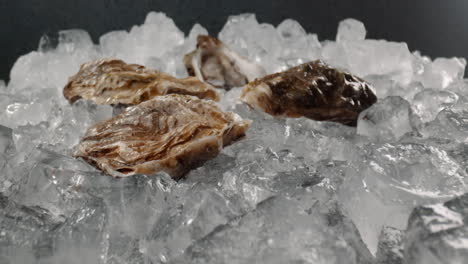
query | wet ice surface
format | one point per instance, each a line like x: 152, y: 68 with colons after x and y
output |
x: 293, y: 191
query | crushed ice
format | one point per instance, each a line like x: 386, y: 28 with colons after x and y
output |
x: 294, y: 191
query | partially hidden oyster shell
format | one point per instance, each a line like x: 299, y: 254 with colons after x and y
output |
x: 215, y: 63
x: 114, y: 82
x: 313, y: 90
x: 172, y: 133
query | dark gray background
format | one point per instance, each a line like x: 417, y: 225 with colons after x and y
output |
x: 435, y: 27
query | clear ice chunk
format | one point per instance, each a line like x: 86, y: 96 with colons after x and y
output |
x: 74, y: 40
x: 372, y: 57
x: 390, y: 247
x: 438, y: 233
x: 277, y: 231
x: 442, y: 72
x: 154, y: 38
x: 189, y: 219
x: 449, y: 124
x: 387, y: 120
x: 389, y: 179
x: 350, y: 30
x: 6, y: 140
x: 257, y: 42
x: 428, y: 103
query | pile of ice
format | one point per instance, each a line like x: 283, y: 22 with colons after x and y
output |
x: 294, y: 191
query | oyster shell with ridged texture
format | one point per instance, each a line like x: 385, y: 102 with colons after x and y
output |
x: 172, y: 133
x: 112, y: 81
x: 215, y: 63
x: 313, y: 90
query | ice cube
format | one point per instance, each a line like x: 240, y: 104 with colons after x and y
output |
x: 429, y: 102
x: 112, y: 43
x: 23, y: 231
x: 387, y: 120
x: 296, y: 43
x: 6, y: 140
x: 277, y: 231
x: 258, y: 42
x: 390, y: 179
x: 442, y: 72
x: 74, y: 40
x: 153, y: 39
x: 350, y: 30
x: 191, y: 217
x: 82, y: 236
x: 449, y: 124
x: 385, y: 86
x: 390, y: 247
x: 438, y: 233
x: 36, y: 70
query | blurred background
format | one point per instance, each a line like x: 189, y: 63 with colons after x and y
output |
x: 436, y: 28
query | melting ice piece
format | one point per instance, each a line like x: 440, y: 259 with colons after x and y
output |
x: 23, y: 230
x: 112, y: 81
x: 173, y: 133
x: 192, y: 216
x: 372, y: 57
x: 442, y: 72
x: 390, y: 248
x: 387, y: 120
x: 449, y: 124
x: 314, y: 90
x: 218, y: 65
x: 438, y: 233
x: 6, y: 141
x: 429, y: 102
x: 382, y: 187
x: 279, y: 230
x: 350, y: 30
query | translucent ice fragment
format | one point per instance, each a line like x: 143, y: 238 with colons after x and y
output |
x: 442, y: 72
x: 382, y: 188
x: 449, y: 124
x: 428, y: 103
x: 386, y: 120
x: 73, y: 40
x: 277, y: 231
x: 438, y: 233
x: 390, y: 248
x: 350, y: 30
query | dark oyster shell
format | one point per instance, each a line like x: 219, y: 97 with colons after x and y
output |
x: 172, y: 133
x: 314, y: 90
x: 112, y: 81
x: 216, y: 64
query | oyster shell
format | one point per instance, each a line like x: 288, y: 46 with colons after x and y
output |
x: 216, y: 64
x: 314, y: 90
x: 172, y: 133
x: 112, y: 81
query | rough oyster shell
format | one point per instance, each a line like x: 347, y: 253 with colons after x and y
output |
x: 112, y: 81
x: 314, y: 90
x: 216, y: 64
x: 172, y: 133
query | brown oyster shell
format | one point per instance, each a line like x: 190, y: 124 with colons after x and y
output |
x: 215, y: 63
x: 172, y: 133
x: 313, y: 90
x: 112, y: 81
